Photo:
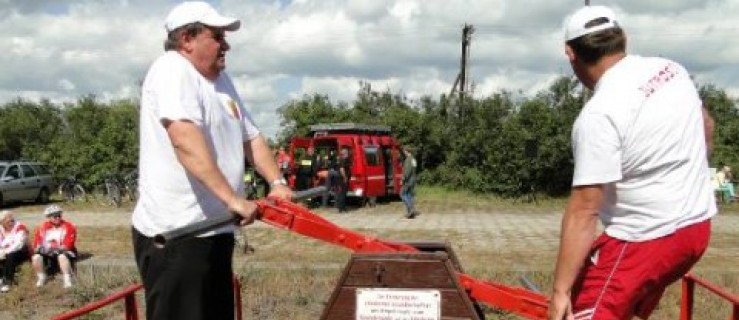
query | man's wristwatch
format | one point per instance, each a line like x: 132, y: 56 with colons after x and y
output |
x: 280, y: 181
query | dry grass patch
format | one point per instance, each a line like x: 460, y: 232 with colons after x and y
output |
x: 112, y: 242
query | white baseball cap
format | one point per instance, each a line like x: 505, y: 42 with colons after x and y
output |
x: 52, y: 209
x: 198, y: 11
x: 575, y: 25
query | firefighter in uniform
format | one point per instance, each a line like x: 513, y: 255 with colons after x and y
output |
x: 332, y: 177
x: 307, y: 169
x: 345, y: 175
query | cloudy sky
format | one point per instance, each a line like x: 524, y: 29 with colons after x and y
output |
x: 61, y: 50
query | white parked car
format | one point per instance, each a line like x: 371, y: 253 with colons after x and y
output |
x: 25, y: 180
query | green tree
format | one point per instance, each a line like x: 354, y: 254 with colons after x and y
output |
x: 27, y: 126
x: 724, y: 111
x: 298, y: 115
x: 90, y: 139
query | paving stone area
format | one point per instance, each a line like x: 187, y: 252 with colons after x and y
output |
x: 498, y: 230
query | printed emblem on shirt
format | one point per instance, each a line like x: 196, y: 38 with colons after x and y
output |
x: 233, y: 109
x: 53, y: 238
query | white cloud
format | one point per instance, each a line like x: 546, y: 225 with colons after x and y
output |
x: 338, y: 89
x: 62, y: 50
x: 405, y: 11
x: 66, y: 85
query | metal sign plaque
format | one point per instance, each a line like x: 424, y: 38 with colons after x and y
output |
x: 398, y: 304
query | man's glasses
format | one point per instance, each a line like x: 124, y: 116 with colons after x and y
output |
x: 55, y: 215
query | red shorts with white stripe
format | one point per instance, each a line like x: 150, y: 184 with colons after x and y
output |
x: 626, y: 279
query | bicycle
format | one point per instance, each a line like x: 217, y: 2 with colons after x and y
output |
x: 71, y: 190
x: 110, y: 192
x: 131, y: 186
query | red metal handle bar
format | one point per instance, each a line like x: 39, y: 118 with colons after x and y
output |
x: 688, y: 291
x: 131, y: 309
x: 125, y: 293
x: 290, y: 216
x: 193, y: 229
x: 734, y: 299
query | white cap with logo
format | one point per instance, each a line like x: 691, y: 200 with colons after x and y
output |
x: 576, y: 24
x: 198, y: 11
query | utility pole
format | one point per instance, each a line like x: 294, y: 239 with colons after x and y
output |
x: 461, y: 80
x: 466, y: 38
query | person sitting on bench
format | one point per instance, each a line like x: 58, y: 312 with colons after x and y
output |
x: 13, y: 248
x: 53, y: 247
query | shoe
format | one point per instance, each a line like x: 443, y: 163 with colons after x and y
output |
x: 416, y: 213
x: 40, y: 282
x: 5, y: 288
x: 409, y: 215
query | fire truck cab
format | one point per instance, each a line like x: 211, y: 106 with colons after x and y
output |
x: 375, y: 158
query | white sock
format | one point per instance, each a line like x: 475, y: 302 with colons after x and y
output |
x: 41, y: 276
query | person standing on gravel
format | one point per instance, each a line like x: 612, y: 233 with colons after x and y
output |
x: 640, y: 165
x: 194, y: 135
x: 408, y: 184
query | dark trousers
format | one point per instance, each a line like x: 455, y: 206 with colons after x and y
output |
x: 189, y: 279
x: 406, y: 194
x: 342, y: 189
x: 11, y: 263
x: 331, y: 183
x: 304, y: 180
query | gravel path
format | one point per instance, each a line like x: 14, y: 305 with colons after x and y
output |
x: 512, y: 230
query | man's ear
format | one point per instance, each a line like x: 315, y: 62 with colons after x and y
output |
x: 570, y: 54
x: 186, y: 41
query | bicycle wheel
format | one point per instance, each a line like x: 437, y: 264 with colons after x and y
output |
x: 114, y: 195
x: 132, y: 191
x: 63, y: 193
x: 100, y: 194
x: 78, y: 193
x: 67, y: 192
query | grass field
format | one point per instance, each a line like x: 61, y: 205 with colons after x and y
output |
x: 291, y: 277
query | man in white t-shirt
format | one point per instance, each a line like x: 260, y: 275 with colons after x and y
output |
x: 640, y: 166
x: 194, y: 135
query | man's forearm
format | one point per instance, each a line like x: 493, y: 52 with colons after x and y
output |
x: 579, y: 227
x: 578, y: 234
x: 260, y: 155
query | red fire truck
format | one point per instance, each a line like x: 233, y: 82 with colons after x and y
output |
x: 375, y: 156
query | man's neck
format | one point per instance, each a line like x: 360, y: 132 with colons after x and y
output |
x: 597, y: 70
x: 202, y: 68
